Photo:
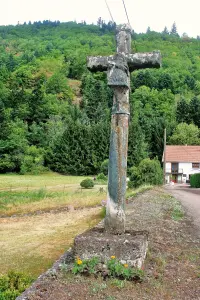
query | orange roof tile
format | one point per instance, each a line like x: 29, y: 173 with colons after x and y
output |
x: 182, y: 153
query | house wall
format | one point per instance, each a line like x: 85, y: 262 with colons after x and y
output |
x: 187, y: 169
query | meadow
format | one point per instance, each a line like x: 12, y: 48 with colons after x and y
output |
x: 39, y: 217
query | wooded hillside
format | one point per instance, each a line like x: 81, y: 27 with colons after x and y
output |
x: 54, y: 113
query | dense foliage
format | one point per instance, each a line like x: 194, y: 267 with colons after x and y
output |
x: 13, y: 284
x: 87, y: 183
x: 54, y: 113
x: 148, y: 172
x: 195, y: 180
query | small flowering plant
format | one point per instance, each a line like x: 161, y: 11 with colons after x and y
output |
x: 123, y: 271
x: 114, y: 268
x: 85, y: 266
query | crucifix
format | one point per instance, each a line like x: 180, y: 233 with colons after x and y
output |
x: 118, y: 69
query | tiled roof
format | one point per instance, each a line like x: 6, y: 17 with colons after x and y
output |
x: 182, y: 153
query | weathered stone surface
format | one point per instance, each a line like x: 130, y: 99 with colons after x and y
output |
x: 118, y: 73
x: 134, y: 61
x: 115, y: 215
x: 144, y: 60
x: 129, y: 247
x: 98, y: 63
x: 118, y: 67
x: 123, y: 38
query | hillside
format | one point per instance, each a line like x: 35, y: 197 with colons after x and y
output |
x: 54, y: 113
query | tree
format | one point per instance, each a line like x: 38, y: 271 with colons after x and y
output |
x: 165, y: 30
x: 148, y: 30
x: 194, y: 111
x: 33, y: 161
x: 183, y: 111
x: 165, y: 81
x: 174, y: 29
x: 95, y: 98
x: 81, y: 149
x: 185, y: 134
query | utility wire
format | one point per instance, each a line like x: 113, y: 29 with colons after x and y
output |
x: 109, y: 11
x: 128, y: 21
x: 126, y: 12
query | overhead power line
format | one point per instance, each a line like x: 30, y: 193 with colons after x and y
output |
x: 126, y: 12
x: 109, y: 11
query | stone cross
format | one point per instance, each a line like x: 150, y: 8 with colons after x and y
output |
x: 118, y: 68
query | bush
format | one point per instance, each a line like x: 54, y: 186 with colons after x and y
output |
x: 33, y: 161
x: 134, y: 178
x: 148, y: 172
x: 195, y: 180
x: 102, y: 177
x: 87, y: 183
x: 104, y: 167
x: 13, y: 284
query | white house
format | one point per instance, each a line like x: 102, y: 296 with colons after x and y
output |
x: 181, y: 162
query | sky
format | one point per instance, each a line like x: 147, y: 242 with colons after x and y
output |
x: 142, y: 13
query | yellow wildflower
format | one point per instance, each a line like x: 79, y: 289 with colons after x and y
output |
x: 112, y: 257
x: 79, y: 261
x: 125, y: 266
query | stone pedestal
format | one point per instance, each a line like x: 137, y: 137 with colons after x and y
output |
x: 130, y: 247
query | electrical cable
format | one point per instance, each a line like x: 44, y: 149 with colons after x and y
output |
x: 128, y: 21
x: 126, y: 12
x: 109, y: 11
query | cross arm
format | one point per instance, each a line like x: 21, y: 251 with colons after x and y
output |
x: 144, y: 60
x: 98, y: 63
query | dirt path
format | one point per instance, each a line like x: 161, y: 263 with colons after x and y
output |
x: 190, y: 199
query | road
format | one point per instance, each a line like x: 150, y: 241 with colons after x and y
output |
x: 190, y: 199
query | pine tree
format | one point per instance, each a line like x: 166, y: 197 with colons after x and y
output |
x: 165, y: 30
x: 174, y: 29
x: 148, y: 30
x: 194, y: 108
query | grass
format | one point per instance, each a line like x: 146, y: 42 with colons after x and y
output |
x: 141, y: 189
x: 42, y: 200
x: 49, y: 180
x: 32, y: 242
x: 44, y: 193
x: 177, y: 212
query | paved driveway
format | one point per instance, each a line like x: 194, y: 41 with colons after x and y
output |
x: 190, y: 199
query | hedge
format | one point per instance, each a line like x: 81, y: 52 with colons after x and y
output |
x: 195, y: 180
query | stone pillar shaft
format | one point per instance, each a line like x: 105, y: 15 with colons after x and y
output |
x: 115, y: 214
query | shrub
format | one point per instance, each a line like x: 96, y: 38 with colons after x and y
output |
x: 134, y: 178
x: 147, y: 172
x: 13, y: 284
x: 195, y: 180
x: 101, y: 177
x: 87, y: 183
x: 104, y: 167
x: 33, y: 161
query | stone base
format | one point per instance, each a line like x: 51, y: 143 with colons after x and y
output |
x: 129, y: 248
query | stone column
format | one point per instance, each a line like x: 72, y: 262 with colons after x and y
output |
x: 119, y: 80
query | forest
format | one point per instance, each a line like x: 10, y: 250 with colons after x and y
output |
x: 55, y: 114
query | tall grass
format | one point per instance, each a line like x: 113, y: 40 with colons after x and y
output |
x: 30, y: 201
x: 16, y: 181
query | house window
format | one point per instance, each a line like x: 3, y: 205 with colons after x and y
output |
x: 184, y: 175
x: 195, y: 165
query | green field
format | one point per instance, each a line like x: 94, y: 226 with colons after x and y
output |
x: 35, y: 226
x: 22, y: 194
